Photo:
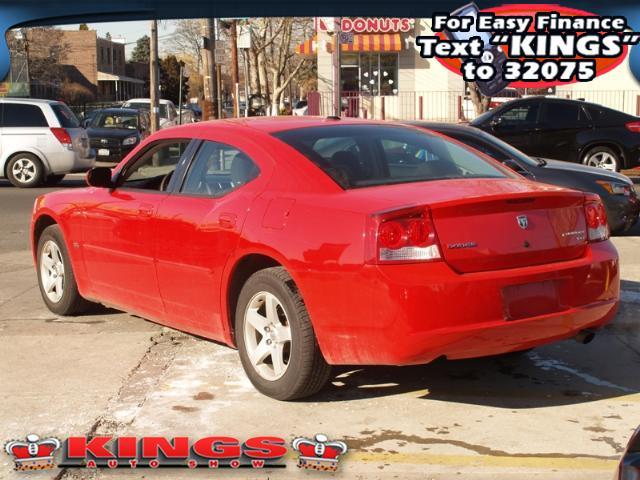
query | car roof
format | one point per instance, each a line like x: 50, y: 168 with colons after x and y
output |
x: 40, y: 101
x: 441, y: 126
x: 131, y: 111
x: 278, y: 124
x: 146, y: 100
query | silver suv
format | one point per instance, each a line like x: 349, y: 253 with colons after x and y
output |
x: 40, y: 142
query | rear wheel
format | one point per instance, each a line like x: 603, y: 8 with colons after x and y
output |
x: 55, y: 275
x: 25, y: 170
x: 277, y: 345
x: 602, y: 157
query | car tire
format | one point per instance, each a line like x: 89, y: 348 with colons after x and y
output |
x: 25, y: 170
x: 602, y: 157
x: 53, y: 180
x: 279, y: 368
x: 55, y: 275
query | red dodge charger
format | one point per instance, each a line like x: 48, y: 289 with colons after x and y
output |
x: 310, y: 242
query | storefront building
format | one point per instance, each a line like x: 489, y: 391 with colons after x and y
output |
x: 381, y: 72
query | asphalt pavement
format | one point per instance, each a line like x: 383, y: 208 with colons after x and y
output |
x: 563, y: 411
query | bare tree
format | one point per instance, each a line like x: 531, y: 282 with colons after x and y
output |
x: 480, y: 103
x: 273, y: 44
x: 187, y: 39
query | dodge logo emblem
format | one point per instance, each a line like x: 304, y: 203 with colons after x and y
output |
x: 523, y: 221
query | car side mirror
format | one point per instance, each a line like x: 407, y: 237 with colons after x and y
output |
x: 496, y: 122
x: 99, y: 177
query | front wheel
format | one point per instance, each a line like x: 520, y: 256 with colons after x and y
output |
x: 55, y: 275
x: 278, y: 348
x: 602, y: 157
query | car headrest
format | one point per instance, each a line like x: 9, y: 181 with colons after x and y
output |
x: 347, y: 161
x: 243, y: 170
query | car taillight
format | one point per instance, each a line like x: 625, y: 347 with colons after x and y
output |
x: 633, y: 127
x: 597, y: 226
x: 402, y: 236
x: 63, y: 136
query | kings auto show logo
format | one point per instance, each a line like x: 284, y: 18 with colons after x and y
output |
x: 36, y: 453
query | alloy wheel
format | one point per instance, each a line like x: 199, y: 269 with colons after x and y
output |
x: 267, y: 335
x: 52, y: 271
x: 604, y: 160
x: 24, y: 170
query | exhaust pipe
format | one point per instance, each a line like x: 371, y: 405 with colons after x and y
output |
x: 585, y: 336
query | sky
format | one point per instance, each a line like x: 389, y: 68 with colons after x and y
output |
x: 130, y: 31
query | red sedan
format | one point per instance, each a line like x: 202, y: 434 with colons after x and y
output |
x: 308, y: 242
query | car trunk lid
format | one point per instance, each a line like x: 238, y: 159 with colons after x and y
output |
x: 511, y: 231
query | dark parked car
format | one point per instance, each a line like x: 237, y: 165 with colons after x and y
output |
x: 629, y: 468
x: 114, y: 132
x: 616, y: 190
x: 569, y: 130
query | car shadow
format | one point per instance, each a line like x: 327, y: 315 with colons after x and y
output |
x: 562, y: 373
x: 72, y: 182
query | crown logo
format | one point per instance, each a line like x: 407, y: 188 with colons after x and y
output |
x: 34, y: 454
x: 319, y: 454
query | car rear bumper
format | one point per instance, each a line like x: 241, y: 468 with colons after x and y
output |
x: 415, y: 313
x: 68, y: 161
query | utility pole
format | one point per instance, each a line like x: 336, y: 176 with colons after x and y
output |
x: 335, y: 57
x: 209, y: 64
x: 153, y: 77
x: 235, y: 81
x: 180, y: 93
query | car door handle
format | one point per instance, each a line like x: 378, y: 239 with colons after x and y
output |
x: 146, y: 210
x: 227, y: 220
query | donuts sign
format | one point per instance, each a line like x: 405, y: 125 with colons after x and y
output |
x: 365, y: 24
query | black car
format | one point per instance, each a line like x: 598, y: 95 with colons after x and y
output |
x: 570, y: 130
x: 114, y: 132
x: 616, y: 190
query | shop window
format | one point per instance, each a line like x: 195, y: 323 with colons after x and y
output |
x: 369, y: 73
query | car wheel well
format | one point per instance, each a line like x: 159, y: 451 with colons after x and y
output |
x: 245, y: 267
x: 43, y: 222
x: 10, y: 157
x: 612, y: 146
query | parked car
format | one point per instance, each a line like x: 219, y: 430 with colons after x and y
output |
x: 168, y: 111
x: 301, y: 108
x: 629, y: 467
x: 310, y: 242
x: 114, y: 132
x: 616, y: 190
x: 569, y: 130
x: 196, y: 111
x: 40, y: 142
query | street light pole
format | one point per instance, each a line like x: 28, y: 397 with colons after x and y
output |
x: 180, y: 94
x: 335, y: 57
x: 153, y: 78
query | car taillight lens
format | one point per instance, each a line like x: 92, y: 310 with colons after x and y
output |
x: 63, y: 136
x: 633, y: 127
x: 597, y: 226
x: 403, y: 236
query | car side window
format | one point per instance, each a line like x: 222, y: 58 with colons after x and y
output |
x: 218, y: 169
x: 520, y: 114
x: 153, y: 169
x: 22, y: 115
x: 559, y: 115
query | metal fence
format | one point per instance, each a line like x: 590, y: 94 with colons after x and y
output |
x: 627, y: 101
x: 446, y: 106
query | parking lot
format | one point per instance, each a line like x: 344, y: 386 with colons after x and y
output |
x: 562, y: 411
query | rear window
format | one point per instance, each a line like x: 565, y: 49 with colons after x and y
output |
x: 22, y: 115
x: 367, y: 155
x: 607, y: 116
x: 65, y: 116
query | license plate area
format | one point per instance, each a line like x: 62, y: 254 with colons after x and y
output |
x: 103, y: 152
x: 532, y: 299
